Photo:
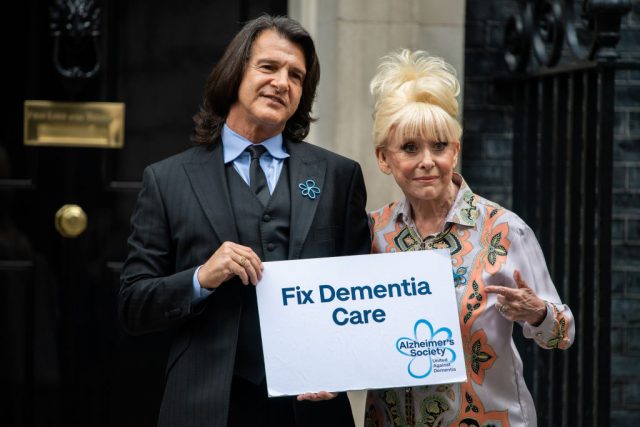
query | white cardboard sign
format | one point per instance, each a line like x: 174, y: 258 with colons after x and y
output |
x: 360, y: 322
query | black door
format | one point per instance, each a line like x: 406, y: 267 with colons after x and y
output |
x: 64, y: 360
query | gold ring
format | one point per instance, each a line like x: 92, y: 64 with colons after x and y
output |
x: 243, y: 261
x: 501, y: 309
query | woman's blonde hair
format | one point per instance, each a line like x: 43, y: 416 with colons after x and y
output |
x: 415, y: 96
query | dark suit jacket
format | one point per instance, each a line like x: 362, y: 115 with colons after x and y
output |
x: 183, y: 214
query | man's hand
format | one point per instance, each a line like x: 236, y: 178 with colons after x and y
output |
x: 519, y: 304
x: 317, y: 397
x: 231, y: 259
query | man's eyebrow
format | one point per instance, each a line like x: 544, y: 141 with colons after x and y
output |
x: 267, y: 59
x: 272, y: 61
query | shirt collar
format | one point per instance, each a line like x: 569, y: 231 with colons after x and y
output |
x: 233, y: 145
x: 463, y: 211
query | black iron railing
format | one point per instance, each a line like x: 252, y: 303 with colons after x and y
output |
x: 564, y: 93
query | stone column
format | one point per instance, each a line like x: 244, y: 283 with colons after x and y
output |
x: 351, y: 36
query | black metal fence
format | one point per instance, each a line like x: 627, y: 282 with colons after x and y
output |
x: 562, y: 162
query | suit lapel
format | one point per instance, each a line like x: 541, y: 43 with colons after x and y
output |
x: 207, y: 176
x: 303, y: 166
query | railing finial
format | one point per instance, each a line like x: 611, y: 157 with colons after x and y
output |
x: 541, y: 27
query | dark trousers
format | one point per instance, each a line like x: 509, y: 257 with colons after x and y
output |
x: 249, y: 406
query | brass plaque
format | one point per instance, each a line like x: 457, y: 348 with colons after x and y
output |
x: 74, y: 124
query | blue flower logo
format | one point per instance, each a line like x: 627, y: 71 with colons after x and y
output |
x: 309, y: 189
x: 425, y: 346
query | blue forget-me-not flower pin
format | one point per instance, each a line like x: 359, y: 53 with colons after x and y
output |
x: 309, y: 189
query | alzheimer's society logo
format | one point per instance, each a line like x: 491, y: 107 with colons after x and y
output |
x: 429, y: 350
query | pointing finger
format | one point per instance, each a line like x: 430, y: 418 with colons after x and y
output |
x: 500, y: 290
x: 519, y: 280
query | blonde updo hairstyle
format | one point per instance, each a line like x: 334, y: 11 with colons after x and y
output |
x: 415, y: 96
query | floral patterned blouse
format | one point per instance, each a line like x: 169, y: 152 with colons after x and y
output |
x: 487, y: 243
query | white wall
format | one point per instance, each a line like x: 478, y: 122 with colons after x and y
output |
x: 351, y: 36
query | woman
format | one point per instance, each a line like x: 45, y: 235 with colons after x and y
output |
x: 499, y: 271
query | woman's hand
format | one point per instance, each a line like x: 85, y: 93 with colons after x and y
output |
x: 317, y: 397
x: 519, y: 304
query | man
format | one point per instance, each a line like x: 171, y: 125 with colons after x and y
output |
x: 206, y: 219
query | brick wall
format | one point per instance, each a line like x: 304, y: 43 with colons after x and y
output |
x: 486, y: 165
x: 625, y: 328
x: 488, y: 110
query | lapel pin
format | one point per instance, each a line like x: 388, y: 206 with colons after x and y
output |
x: 309, y: 189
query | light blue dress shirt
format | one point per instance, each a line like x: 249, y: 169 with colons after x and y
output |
x: 233, y: 149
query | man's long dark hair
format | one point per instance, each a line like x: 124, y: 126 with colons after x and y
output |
x: 221, y: 90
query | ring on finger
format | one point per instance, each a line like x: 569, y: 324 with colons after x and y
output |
x: 243, y: 261
x: 501, y: 308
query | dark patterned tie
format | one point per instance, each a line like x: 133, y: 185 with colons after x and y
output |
x: 256, y: 174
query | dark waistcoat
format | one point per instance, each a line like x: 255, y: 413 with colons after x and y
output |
x: 266, y: 231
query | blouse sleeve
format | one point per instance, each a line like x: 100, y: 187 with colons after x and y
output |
x: 557, y: 330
